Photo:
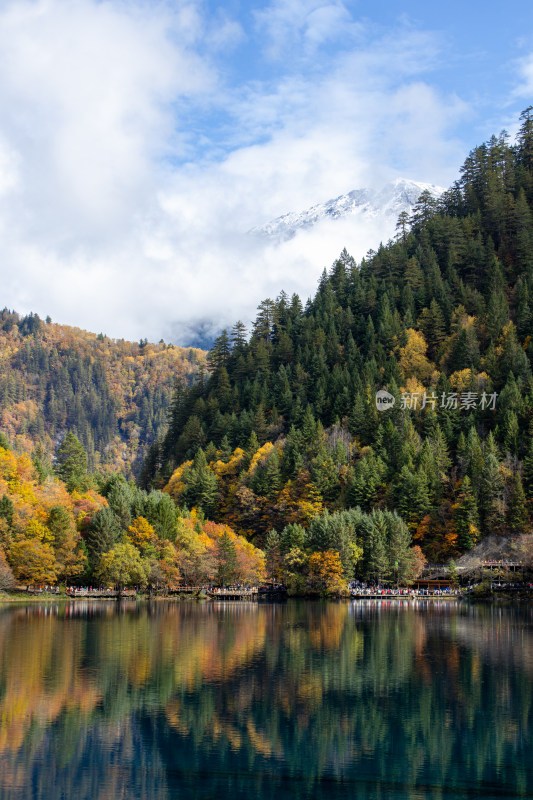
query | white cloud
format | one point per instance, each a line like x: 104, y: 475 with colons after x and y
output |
x: 110, y: 216
x: 328, y: 148
x: 9, y: 169
x: 291, y: 24
x: 83, y: 100
x: 525, y: 72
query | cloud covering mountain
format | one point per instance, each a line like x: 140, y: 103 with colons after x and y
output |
x: 140, y: 141
x: 383, y: 205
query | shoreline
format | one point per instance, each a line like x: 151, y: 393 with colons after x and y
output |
x: 8, y: 598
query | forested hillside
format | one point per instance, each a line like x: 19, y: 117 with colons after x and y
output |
x: 285, y: 425
x: 114, y: 395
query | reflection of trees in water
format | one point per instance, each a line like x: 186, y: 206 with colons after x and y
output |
x: 499, y: 636
x: 228, y: 694
x: 73, y: 684
x: 54, y: 739
x: 98, y: 761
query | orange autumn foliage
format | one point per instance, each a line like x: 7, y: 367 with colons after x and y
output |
x: 35, y: 553
x: 197, y: 550
x: 246, y: 511
x: 326, y: 573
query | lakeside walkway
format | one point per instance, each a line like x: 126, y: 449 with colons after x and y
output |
x: 254, y: 593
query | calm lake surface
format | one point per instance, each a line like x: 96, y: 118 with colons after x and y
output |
x: 243, y: 700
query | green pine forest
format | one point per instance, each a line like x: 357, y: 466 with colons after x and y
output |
x: 284, y: 428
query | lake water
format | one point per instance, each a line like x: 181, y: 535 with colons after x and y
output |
x: 293, y: 700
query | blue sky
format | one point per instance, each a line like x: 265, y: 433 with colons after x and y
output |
x: 477, y: 52
x: 140, y: 141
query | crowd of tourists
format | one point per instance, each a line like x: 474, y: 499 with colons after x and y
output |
x: 356, y: 588
x: 87, y: 591
x: 361, y: 589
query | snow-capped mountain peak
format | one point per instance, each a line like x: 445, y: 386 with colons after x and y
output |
x: 387, y: 203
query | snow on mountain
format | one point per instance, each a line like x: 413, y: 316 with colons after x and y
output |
x: 365, y: 204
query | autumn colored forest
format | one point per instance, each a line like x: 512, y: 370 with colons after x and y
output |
x: 276, y: 457
x: 107, y: 532
x: 112, y: 394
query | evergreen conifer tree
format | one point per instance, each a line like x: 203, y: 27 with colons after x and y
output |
x: 71, y: 462
x: 226, y: 558
x: 517, y: 508
x: 465, y: 517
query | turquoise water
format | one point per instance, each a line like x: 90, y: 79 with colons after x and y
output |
x: 242, y: 700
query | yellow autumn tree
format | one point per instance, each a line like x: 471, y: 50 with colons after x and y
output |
x: 168, y: 560
x: 461, y: 380
x: 33, y: 561
x: 141, y: 533
x: 194, y: 557
x: 175, y: 486
x: 250, y: 563
x: 261, y: 456
x: 412, y: 357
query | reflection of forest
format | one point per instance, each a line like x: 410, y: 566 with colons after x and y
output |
x: 500, y: 637
x: 297, y: 699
